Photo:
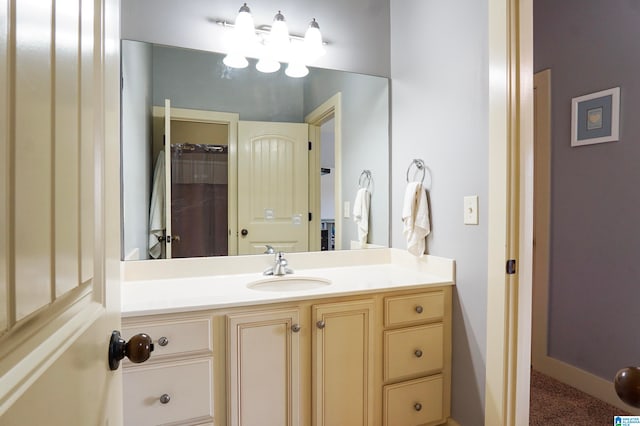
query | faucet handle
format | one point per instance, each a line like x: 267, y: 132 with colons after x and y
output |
x: 269, y: 249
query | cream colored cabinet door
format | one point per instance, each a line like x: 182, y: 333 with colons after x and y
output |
x: 273, y: 188
x: 342, y: 365
x: 264, y: 368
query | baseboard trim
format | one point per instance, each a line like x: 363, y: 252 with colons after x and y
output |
x: 451, y: 422
x: 583, y: 381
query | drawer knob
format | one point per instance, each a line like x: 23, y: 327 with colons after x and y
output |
x: 418, y: 353
x: 419, y: 309
x: 163, y: 341
x: 417, y: 406
x: 164, y: 398
x: 295, y: 328
x: 137, y: 349
x: 320, y: 324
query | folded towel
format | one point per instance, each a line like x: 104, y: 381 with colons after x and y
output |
x: 361, y: 214
x: 415, y: 217
x: 156, y: 212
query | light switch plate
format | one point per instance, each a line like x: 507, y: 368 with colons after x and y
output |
x: 471, y: 210
x: 346, y: 213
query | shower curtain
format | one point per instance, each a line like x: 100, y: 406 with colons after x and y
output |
x: 199, y: 202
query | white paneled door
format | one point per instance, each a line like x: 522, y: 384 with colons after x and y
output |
x: 273, y: 189
x: 59, y: 211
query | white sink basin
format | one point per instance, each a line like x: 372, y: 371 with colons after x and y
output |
x: 288, y: 283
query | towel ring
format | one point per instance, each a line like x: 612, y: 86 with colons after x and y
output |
x: 419, y: 165
x: 365, y: 177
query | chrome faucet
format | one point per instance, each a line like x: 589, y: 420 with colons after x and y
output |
x: 280, y: 266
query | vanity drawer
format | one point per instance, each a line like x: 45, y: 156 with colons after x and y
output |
x: 413, y: 403
x: 413, y: 351
x: 187, y: 384
x: 180, y: 337
x: 413, y: 308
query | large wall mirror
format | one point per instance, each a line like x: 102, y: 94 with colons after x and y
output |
x: 219, y: 161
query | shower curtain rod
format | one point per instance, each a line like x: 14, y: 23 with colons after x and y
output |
x: 186, y: 146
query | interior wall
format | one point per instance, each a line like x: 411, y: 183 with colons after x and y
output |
x: 357, y: 30
x: 199, y: 80
x: 136, y: 147
x: 593, y: 284
x: 439, y: 79
x: 365, y: 142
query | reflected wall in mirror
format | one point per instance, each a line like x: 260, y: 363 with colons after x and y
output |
x: 239, y: 172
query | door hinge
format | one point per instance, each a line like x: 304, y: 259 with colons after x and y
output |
x: 310, y: 145
x: 121, y: 83
x: 310, y: 216
x: 511, y: 266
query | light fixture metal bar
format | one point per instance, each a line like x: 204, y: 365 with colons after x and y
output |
x: 264, y: 30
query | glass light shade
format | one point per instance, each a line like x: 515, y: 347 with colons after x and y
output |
x: 313, y: 48
x: 267, y: 65
x: 296, y: 70
x: 235, y: 60
x: 279, y: 36
x: 244, y: 27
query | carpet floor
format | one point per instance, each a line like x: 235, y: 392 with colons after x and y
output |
x: 555, y: 403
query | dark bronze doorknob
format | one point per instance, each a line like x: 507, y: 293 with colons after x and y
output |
x: 627, y: 384
x: 244, y: 232
x: 137, y: 349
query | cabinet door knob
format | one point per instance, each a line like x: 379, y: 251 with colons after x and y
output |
x: 417, y: 406
x: 320, y: 324
x: 419, y: 309
x: 295, y: 328
x: 165, y: 398
x: 244, y: 232
x: 163, y: 341
x: 418, y: 353
x: 137, y: 349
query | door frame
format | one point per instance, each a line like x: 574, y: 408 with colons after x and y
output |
x: 541, y: 231
x: 231, y: 120
x: 509, y: 297
x: 332, y: 107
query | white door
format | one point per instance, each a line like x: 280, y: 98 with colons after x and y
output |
x: 60, y: 212
x: 273, y: 189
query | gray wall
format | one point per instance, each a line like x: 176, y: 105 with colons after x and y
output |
x: 199, y: 80
x: 357, y: 30
x: 439, y: 86
x: 592, y: 45
x: 365, y: 142
x: 136, y: 145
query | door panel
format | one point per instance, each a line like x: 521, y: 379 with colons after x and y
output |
x: 60, y: 198
x: 264, y: 368
x: 273, y: 190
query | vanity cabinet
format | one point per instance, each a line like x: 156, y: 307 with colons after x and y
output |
x: 417, y: 358
x: 378, y: 359
x: 175, y: 385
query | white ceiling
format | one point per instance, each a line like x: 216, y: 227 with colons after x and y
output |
x: 357, y: 30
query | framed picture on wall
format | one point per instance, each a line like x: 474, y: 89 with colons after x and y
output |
x: 595, y: 118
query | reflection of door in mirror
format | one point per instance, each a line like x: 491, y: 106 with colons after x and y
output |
x: 273, y: 198
x: 199, y: 170
x: 327, y: 185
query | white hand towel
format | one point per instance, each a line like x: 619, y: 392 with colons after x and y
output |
x: 415, y: 217
x: 156, y: 211
x: 361, y: 206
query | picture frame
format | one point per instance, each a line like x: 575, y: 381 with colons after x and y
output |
x: 595, y: 118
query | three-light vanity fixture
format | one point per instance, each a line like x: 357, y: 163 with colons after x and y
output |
x: 272, y: 45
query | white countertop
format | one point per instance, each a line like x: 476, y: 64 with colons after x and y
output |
x: 388, y: 270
